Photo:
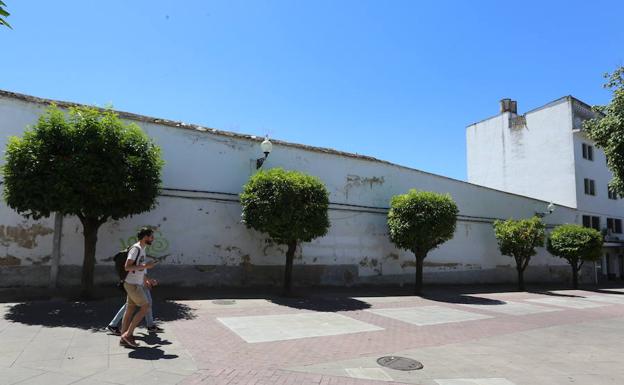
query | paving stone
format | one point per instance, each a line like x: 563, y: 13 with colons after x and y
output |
x: 428, y: 315
x: 293, y: 326
x: 368, y: 374
x: 572, y: 303
x: 475, y: 381
x: 512, y: 308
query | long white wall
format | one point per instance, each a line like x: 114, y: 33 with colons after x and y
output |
x: 203, y: 242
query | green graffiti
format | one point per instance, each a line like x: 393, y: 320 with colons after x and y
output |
x: 157, y: 248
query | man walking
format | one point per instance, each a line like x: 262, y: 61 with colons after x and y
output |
x: 134, y: 286
x: 115, y: 325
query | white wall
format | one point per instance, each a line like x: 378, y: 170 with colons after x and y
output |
x: 203, y: 241
x: 535, y: 160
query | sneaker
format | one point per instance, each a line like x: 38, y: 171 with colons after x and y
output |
x: 155, y: 329
x: 114, y: 330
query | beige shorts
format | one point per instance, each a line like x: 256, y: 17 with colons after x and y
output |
x: 136, y: 295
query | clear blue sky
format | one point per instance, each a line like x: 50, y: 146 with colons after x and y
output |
x: 397, y: 80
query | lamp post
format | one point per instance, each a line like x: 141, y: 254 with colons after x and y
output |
x: 549, y: 210
x: 266, y: 147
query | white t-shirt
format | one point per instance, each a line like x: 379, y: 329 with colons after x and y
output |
x: 136, y: 254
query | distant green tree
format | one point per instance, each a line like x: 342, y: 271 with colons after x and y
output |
x: 576, y: 244
x: 87, y: 163
x: 607, y: 129
x: 518, y: 239
x: 290, y: 206
x: 3, y: 15
x: 420, y: 221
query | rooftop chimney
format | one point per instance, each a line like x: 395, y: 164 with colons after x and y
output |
x: 508, y: 105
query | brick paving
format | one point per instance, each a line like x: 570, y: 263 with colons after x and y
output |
x: 62, y: 342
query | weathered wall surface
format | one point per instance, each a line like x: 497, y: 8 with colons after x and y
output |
x: 202, y: 242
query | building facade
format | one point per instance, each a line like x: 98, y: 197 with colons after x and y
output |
x: 545, y: 154
x: 201, y: 240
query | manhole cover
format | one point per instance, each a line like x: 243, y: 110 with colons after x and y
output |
x: 399, y: 363
x: 224, y: 302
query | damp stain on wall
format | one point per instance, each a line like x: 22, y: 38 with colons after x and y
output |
x: 23, y: 236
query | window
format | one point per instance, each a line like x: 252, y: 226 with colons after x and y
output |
x: 588, y: 151
x: 614, y: 225
x: 590, y: 187
x: 612, y: 194
x: 591, y: 221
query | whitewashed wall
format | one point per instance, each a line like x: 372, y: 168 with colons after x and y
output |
x: 202, y: 241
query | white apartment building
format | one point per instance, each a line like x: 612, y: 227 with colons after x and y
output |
x: 545, y: 154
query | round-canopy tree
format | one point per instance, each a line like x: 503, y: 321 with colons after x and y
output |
x: 576, y: 244
x: 290, y: 206
x: 420, y: 221
x: 86, y: 163
x: 518, y: 239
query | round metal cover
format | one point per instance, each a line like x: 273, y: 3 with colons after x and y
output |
x: 399, y: 363
x: 224, y: 302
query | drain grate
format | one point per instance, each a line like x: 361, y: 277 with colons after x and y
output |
x: 224, y: 302
x: 399, y: 363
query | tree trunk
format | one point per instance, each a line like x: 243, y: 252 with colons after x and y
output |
x: 575, y: 275
x: 419, y: 274
x: 520, y: 278
x: 290, y: 256
x: 90, y: 230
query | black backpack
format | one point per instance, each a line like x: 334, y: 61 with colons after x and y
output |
x: 120, y: 263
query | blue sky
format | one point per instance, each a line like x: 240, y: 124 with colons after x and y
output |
x: 397, y: 80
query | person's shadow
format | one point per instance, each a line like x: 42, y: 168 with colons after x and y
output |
x: 151, y: 353
x: 150, y: 349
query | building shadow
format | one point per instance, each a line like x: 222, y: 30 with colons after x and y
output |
x: 91, y: 315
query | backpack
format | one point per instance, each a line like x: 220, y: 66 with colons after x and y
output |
x: 120, y: 263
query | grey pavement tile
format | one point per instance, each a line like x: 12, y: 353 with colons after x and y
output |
x: 428, y: 315
x: 51, y: 378
x: 8, y: 358
x: 10, y: 376
x: 513, y: 308
x: 474, y: 381
x: 254, y: 329
x: 571, y: 303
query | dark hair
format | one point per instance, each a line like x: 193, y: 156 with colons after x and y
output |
x: 144, y: 232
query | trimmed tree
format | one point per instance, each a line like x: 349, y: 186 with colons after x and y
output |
x: 607, y: 130
x: 86, y: 163
x: 289, y: 206
x: 576, y: 244
x: 420, y: 221
x: 518, y: 239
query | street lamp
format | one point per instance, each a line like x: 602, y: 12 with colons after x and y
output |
x: 266, y: 147
x: 549, y: 210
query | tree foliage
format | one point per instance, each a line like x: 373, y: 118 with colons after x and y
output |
x: 290, y: 206
x: 518, y: 239
x: 420, y: 221
x: 86, y: 163
x: 576, y: 244
x: 607, y: 130
x: 3, y: 15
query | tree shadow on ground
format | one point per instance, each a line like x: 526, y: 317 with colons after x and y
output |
x: 460, y: 298
x: 92, y: 315
x: 607, y: 291
x: 552, y: 294
x: 325, y: 304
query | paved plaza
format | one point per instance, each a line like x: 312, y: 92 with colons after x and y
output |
x: 461, y: 337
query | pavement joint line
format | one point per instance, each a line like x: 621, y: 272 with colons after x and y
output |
x: 30, y: 378
x: 25, y: 346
